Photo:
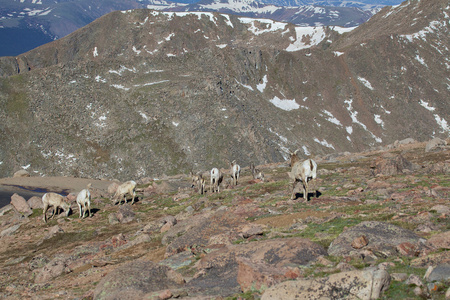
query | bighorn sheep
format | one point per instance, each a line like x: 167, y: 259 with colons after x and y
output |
x: 84, y: 201
x: 216, y: 179
x: 302, y: 171
x: 256, y: 173
x: 56, y: 201
x: 125, y: 188
x: 199, y: 182
x: 235, y: 171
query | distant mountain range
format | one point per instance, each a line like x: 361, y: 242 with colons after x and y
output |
x: 26, y: 24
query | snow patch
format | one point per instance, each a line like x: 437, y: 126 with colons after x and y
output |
x: 324, y: 143
x: 285, y: 104
x: 331, y: 118
x: 426, y: 105
x: 306, y: 37
x: 365, y: 82
x: 442, y: 122
x: 262, y: 85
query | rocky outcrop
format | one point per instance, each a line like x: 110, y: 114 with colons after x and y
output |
x: 383, y: 239
x: 137, y: 280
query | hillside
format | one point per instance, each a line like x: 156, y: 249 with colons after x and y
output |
x: 165, y: 93
x: 376, y: 227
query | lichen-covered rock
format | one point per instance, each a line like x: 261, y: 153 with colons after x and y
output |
x: 382, y: 237
x: 360, y: 284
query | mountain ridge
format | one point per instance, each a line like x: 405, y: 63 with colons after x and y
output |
x: 154, y: 98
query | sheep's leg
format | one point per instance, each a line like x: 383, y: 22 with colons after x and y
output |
x: 134, y: 196
x: 293, y: 190
x: 79, y: 208
x: 305, y: 190
x: 45, y: 213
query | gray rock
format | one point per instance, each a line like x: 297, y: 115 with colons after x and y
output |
x: 439, y: 273
x: 137, y: 279
x: 125, y: 214
x: 10, y: 230
x: 435, y: 144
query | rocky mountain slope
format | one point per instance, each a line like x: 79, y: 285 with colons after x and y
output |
x: 165, y: 93
x: 27, y: 24
x: 377, y: 227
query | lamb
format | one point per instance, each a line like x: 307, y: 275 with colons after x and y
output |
x: 83, y: 201
x: 199, y: 182
x: 125, y: 188
x: 216, y: 179
x: 56, y: 201
x: 235, y: 171
x: 302, y: 171
x: 256, y: 173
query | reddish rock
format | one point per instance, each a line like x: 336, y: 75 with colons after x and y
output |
x: 360, y: 242
x: 166, y: 294
x: 407, y: 249
x: 20, y: 204
x: 259, y: 275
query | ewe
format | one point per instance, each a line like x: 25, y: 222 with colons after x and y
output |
x: 302, y: 171
x: 199, y: 182
x: 256, y: 173
x: 216, y: 179
x: 235, y: 171
x: 56, y: 201
x: 83, y: 201
x: 125, y: 188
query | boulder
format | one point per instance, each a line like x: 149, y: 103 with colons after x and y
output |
x: 435, y: 144
x: 359, y: 284
x: 35, y: 202
x: 54, y: 268
x: 391, y: 166
x: 382, y: 238
x: 137, y: 280
x: 125, y: 214
x: 440, y: 273
x: 21, y: 173
x: 201, y: 230
x: 20, y: 204
x: 440, y: 240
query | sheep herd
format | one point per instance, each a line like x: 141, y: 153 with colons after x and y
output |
x: 301, y: 171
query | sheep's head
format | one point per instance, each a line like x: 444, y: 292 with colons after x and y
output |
x: 66, y: 207
x: 294, y: 158
x: 196, y: 179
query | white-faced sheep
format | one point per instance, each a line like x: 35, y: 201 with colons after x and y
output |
x: 256, y: 173
x: 84, y: 201
x: 302, y: 171
x: 235, y: 171
x: 216, y: 179
x: 126, y: 188
x: 199, y: 182
x: 57, y: 202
